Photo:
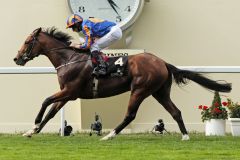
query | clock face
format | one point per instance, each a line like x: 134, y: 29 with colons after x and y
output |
x: 119, y: 11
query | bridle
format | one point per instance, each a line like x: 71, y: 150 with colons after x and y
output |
x: 28, y: 54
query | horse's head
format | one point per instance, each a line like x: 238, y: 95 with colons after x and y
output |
x: 30, y: 49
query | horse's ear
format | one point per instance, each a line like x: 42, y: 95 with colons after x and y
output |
x: 38, y: 31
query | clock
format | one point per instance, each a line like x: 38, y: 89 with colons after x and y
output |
x: 123, y: 12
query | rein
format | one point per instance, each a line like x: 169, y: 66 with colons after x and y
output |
x: 54, y: 49
x: 66, y: 64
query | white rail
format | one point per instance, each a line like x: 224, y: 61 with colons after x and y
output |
x: 27, y: 70
x: 51, y: 70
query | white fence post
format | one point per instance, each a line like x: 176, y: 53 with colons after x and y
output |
x: 62, y: 121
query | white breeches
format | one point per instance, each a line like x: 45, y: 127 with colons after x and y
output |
x: 114, y: 35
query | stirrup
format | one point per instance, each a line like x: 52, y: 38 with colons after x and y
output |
x: 102, y: 71
x: 95, y: 72
x: 99, y: 71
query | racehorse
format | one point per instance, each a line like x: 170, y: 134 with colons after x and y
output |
x: 146, y: 75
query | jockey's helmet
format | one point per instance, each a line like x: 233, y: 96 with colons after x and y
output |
x: 73, y: 19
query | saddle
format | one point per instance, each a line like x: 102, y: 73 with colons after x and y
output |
x: 116, y: 66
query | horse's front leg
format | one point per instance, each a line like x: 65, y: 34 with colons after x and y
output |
x: 60, y: 96
x: 51, y: 113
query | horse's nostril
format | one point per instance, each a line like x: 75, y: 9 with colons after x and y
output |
x: 15, y: 59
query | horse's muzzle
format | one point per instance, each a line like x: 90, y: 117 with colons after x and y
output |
x: 19, y: 61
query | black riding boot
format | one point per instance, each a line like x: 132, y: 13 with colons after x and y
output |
x: 101, y: 68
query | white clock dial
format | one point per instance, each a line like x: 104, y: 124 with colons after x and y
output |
x: 123, y: 12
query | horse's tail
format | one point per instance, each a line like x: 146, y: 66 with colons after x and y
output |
x: 180, y: 77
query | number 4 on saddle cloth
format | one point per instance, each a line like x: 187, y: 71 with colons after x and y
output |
x: 116, y: 66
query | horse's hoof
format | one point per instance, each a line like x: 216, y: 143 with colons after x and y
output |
x: 185, y: 137
x: 110, y: 136
x: 27, y: 135
x: 106, y: 138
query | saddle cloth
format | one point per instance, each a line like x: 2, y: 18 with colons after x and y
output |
x: 116, y: 66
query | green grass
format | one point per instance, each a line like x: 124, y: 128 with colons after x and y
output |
x: 132, y: 147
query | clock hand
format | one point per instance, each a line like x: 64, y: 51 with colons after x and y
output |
x: 113, y: 5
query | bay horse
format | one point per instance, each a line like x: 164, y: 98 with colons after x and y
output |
x: 146, y: 75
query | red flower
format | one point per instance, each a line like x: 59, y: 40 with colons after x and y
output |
x: 205, y: 107
x: 217, y: 110
x: 224, y: 103
x: 200, y: 107
x: 216, y: 104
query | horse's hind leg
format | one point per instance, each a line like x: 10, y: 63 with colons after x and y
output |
x: 136, y: 99
x: 163, y: 97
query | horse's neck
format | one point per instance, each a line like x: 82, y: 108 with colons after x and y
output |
x: 64, y: 56
x: 58, y: 53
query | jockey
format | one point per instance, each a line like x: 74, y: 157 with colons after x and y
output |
x: 98, y: 33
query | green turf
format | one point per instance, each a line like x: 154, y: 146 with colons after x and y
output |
x: 132, y: 147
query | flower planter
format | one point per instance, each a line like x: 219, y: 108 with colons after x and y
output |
x: 215, y: 127
x: 235, y: 126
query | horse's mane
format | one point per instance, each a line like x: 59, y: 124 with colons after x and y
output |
x: 63, y: 37
x: 59, y: 35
